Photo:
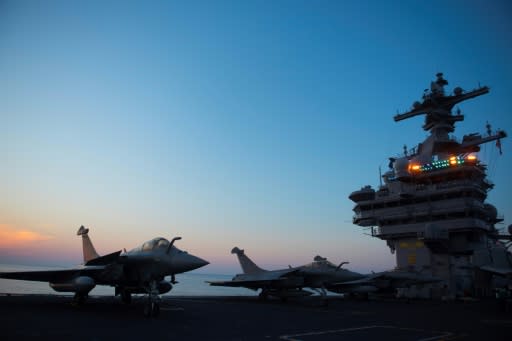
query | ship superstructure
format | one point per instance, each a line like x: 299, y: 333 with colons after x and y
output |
x: 431, y: 207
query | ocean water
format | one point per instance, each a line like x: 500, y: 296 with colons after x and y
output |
x: 190, y: 284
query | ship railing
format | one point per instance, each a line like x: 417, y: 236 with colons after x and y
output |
x: 457, y: 183
x: 421, y: 187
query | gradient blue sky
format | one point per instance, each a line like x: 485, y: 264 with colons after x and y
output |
x: 228, y: 123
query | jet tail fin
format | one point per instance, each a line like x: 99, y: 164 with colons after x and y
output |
x: 248, y: 266
x: 88, y: 249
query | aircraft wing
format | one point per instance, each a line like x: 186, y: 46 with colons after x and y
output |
x: 104, y: 260
x: 255, y: 281
x: 50, y: 275
x: 503, y: 271
x: 394, y: 279
x: 254, y: 285
x: 250, y: 284
x: 91, y: 268
x: 274, y: 275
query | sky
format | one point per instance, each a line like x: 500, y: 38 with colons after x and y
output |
x: 228, y: 123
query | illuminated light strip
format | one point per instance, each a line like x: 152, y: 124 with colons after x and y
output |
x: 441, y: 164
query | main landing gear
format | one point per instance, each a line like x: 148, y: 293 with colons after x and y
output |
x: 79, y: 299
x: 263, y: 295
x: 126, y: 297
x: 152, y: 306
x: 151, y: 309
x: 323, y: 293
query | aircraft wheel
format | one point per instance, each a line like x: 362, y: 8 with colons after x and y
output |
x: 79, y: 299
x: 147, y: 309
x: 155, y: 309
x: 126, y: 297
x: 263, y: 296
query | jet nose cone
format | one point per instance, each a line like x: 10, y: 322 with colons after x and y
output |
x: 188, y: 262
x: 195, y: 262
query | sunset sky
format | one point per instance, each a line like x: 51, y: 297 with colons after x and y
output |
x: 228, y: 123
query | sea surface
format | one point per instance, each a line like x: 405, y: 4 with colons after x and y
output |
x: 190, y: 284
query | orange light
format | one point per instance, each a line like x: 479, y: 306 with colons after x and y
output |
x: 453, y: 160
x: 471, y: 158
x: 415, y: 167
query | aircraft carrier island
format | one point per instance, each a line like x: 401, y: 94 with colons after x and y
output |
x: 431, y: 205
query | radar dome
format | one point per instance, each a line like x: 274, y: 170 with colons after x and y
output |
x: 457, y: 91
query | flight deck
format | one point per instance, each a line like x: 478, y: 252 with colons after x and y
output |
x: 247, y: 318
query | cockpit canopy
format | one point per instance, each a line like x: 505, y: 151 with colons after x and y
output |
x: 158, y: 243
x: 321, y: 263
x: 155, y: 243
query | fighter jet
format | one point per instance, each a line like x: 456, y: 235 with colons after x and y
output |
x: 320, y: 276
x: 497, y: 258
x: 139, y: 271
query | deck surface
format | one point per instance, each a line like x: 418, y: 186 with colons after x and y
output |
x: 247, y: 318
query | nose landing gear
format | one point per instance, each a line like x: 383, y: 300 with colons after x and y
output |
x: 79, y: 299
x: 151, y: 309
x: 152, y: 306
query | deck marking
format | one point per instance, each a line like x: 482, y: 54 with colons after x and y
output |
x: 332, y: 331
x: 292, y: 337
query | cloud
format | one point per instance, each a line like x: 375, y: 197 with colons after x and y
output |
x: 12, y: 237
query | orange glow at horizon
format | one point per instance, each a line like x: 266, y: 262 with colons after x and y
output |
x: 12, y: 237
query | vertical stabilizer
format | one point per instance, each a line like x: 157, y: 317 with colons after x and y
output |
x: 246, y: 263
x: 88, y: 248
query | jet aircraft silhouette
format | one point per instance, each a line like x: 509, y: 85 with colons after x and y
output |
x: 320, y: 276
x: 139, y: 271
